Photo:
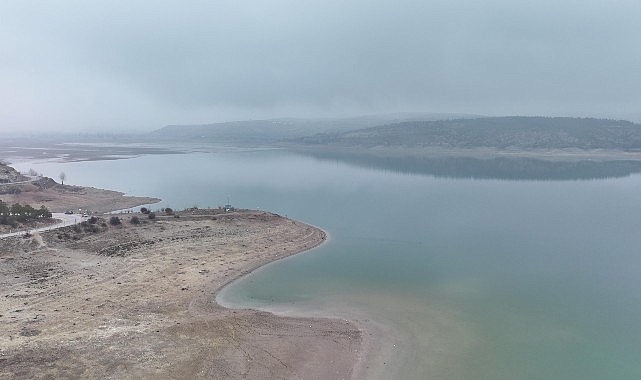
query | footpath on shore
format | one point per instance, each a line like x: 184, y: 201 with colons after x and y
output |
x: 65, y: 220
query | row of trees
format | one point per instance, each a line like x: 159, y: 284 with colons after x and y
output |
x: 21, y: 213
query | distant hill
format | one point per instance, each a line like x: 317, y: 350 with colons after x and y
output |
x: 276, y: 130
x: 492, y: 132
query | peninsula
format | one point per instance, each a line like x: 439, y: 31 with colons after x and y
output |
x: 133, y: 296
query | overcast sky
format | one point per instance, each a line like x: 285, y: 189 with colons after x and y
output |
x: 139, y: 65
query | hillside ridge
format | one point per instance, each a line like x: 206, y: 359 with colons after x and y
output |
x: 512, y: 132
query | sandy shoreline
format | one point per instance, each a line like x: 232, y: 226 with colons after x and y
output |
x: 137, y: 301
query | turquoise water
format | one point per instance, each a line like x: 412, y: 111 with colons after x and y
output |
x: 476, y: 279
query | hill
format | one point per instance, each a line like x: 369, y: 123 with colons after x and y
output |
x: 260, y: 132
x: 518, y: 133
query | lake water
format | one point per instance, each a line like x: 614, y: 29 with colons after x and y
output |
x: 469, y: 278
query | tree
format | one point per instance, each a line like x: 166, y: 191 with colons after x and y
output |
x: 44, y: 212
x: 21, y: 213
x: 62, y: 177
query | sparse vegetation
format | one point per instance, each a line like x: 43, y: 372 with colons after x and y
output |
x: 169, y: 211
x: 114, y: 221
x: 151, y: 215
x: 134, y: 220
x: 76, y: 232
x: 144, y: 210
x: 89, y: 227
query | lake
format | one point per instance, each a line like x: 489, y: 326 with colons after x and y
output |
x: 466, y: 278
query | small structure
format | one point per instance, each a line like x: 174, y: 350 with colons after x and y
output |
x: 228, y: 207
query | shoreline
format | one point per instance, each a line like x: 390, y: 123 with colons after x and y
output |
x: 65, y: 197
x: 178, y: 319
x: 375, y: 335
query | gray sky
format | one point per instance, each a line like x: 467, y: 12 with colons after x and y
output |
x: 139, y: 65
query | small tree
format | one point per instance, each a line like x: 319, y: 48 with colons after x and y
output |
x: 135, y: 220
x: 62, y: 177
x: 152, y: 215
x: 169, y: 211
x: 44, y: 212
x: 114, y: 220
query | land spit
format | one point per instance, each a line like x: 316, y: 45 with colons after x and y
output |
x: 137, y: 300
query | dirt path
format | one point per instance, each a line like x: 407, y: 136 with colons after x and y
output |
x: 65, y: 220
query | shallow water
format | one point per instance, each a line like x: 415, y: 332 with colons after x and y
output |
x: 477, y: 279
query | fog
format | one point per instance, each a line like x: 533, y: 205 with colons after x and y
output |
x: 123, y: 66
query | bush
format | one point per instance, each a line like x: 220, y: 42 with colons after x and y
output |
x: 93, y: 220
x: 169, y: 211
x: 114, y: 220
x: 134, y: 220
x: 152, y: 215
x: 144, y: 210
x: 92, y: 228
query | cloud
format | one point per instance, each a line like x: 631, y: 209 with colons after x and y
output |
x: 119, y: 64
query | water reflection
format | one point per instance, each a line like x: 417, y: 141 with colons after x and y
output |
x: 508, y: 168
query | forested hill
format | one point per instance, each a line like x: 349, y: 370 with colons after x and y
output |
x: 494, y: 132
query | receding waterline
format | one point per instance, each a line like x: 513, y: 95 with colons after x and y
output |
x: 473, y: 279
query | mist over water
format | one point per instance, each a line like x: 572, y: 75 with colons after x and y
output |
x: 476, y: 278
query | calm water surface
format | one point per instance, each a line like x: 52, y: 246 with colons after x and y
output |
x: 474, y: 279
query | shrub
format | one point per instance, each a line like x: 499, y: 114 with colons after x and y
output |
x: 152, y: 215
x: 92, y: 228
x: 114, y: 220
x: 93, y: 220
x: 144, y: 210
x: 169, y: 211
x: 135, y: 220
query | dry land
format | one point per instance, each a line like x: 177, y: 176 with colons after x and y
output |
x: 137, y: 301
x: 60, y: 198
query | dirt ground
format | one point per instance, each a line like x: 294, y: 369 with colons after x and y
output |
x: 137, y: 301
x: 60, y: 198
